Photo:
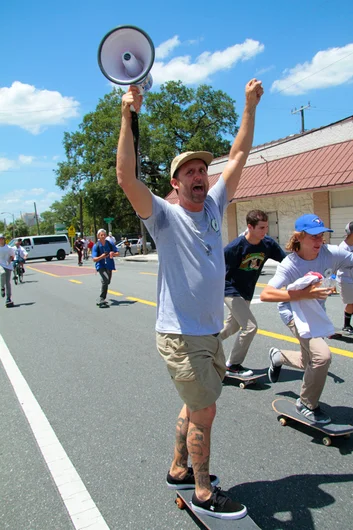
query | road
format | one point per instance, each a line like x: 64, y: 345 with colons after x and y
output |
x: 88, y: 414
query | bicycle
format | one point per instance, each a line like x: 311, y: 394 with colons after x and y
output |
x: 18, y: 273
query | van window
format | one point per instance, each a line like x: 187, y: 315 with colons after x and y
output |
x: 46, y: 240
x: 26, y: 242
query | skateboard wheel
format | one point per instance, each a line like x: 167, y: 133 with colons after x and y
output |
x: 326, y: 440
x: 348, y: 435
x: 180, y: 503
x: 242, y: 386
x: 282, y: 421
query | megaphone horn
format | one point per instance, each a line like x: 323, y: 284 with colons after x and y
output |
x: 126, y: 56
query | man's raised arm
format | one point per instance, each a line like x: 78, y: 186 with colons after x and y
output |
x: 243, y: 141
x: 138, y: 194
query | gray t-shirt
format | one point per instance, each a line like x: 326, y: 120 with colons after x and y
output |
x: 191, y: 264
x: 330, y: 259
x: 345, y: 275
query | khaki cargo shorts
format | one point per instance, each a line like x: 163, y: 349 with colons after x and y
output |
x: 197, y: 366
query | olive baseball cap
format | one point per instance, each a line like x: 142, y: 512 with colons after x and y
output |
x: 190, y: 155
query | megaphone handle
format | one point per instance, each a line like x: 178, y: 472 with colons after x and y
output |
x: 136, y: 136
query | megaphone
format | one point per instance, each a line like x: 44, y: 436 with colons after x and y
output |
x: 126, y: 56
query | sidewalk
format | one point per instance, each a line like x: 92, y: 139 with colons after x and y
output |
x: 270, y: 264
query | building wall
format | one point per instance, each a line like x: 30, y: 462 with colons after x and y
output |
x: 288, y: 208
x: 321, y: 206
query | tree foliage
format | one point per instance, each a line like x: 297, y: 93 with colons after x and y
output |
x: 173, y: 120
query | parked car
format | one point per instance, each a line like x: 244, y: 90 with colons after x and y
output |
x: 135, y: 248
x: 47, y: 247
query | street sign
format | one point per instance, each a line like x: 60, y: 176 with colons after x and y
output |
x: 71, y: 231
x: 108, y: 219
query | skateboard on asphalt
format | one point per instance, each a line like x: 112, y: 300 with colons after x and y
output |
x: 245, y: 381
x: 287, y: 410
x: 102, y: 304
x: 183, y: 501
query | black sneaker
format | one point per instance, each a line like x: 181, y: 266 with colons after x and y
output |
x: 219, y: 505
x: 238, y: 369
x: 188, y: 482
x: 274, y: 371
x: 348, y: 329
x: 315, y: 416
x: 3, y: 292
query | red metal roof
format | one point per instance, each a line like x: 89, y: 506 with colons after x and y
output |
x: 316, y: 170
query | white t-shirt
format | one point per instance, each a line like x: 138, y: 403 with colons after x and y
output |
x: 6, y: 253
x: 330, y: 259
x: 191, y: 264
x: 20, y: 252
x: 345, y: 275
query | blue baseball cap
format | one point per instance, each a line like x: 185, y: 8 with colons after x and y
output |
x: 311, y: 224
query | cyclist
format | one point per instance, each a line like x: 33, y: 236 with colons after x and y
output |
x: 20, y: 255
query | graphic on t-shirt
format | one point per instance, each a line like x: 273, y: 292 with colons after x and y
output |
x: 252, y: 262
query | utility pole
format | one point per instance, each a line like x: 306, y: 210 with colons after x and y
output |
x: 36, y: 215
x: 301, y: 110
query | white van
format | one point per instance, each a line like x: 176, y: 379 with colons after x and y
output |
x: 47, y: 247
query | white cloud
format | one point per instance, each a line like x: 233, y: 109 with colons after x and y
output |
x: 36, y: 191
x: 6, y: 163
x: 22, y: 201
x: 182, y: 68
x: 26, y: 160
x: 331, y: 67
x: 164, y: 49
x: 33, y: 109
x: 262, y: 71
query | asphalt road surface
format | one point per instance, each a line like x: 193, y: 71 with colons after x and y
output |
x: 88, y: 414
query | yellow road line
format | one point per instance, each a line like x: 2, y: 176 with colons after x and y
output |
x: 287, y: 338
x: 146, y: 302
x: 278, y: 336
x: 261, y: 285
x: 74, y: 281
x: 43, y: 272
x: 149, y: 273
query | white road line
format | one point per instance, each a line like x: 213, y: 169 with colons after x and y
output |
x: 82, y: 509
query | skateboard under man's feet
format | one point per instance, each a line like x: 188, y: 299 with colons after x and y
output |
x: 287, y: 410
x: 244, y: 381
x: 183, y: 501
x: 102, y: 304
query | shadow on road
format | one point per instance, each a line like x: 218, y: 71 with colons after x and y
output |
x: 287, y: 503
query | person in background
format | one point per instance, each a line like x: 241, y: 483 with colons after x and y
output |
x: 7, y: 255
x: 103, y: 254
x: 20, y: 254
x: 85, y: 248
x: 78, y: 246
x: 345, y: 281
x: 90, y: 246
x: 127, y: 245
x: 111, y: 238
x: 308, y: 254
x: 245, y: 258
x: 190, y: 293
x: 140, y: 244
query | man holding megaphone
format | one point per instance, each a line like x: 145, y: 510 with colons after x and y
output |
x: 190, y: 291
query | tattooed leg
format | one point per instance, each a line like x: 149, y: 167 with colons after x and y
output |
x: 179, y: 465
x: 199, y: 445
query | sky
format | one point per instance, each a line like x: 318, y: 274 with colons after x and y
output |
x: 301, y: 50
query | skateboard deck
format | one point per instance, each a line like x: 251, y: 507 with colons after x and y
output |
x: 245, y: 381
x: 183, y: 500
x: 287, y: 409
